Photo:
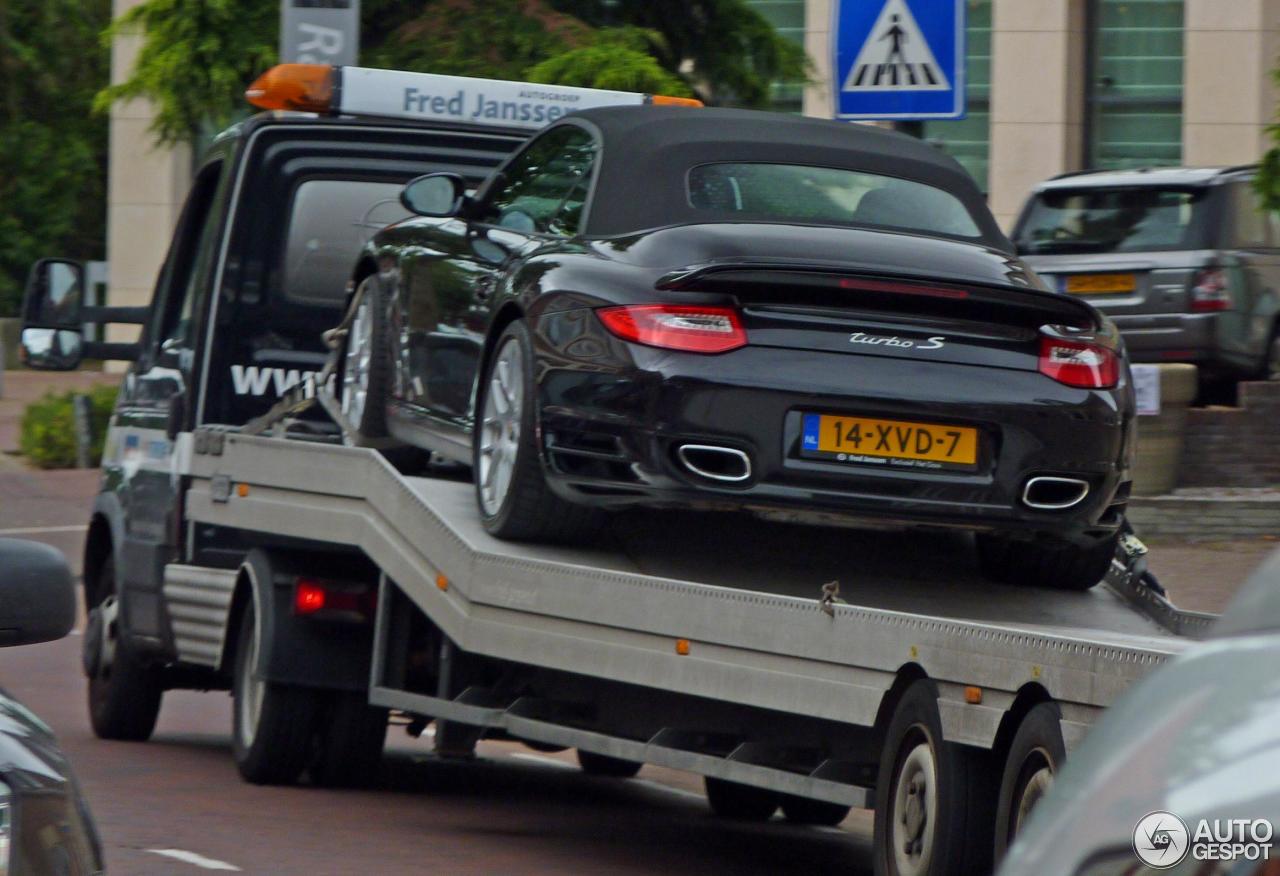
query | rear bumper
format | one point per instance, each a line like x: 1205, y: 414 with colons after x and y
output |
x: 611, y: 428
x: 1171, y: 337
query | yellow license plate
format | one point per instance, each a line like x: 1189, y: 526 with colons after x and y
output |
x: 1101, y: 284
x: 888, y: 442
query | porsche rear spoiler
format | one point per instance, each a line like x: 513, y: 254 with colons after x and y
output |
x: 834, y: 284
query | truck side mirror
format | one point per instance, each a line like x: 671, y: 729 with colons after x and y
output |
x: 37, y: 596
x: 438, y: 195
x: 54, y: 297
x: 50, y: 349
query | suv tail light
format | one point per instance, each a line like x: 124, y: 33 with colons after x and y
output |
x: 1211, y: 291
x: 677, y: 326
x: 1079, y: 363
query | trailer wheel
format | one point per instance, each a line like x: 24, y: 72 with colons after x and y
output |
x: 511, y: 487
x: 804, y: 810
x: 124, y: 693
x: 602, y: 765
x: 366, y: 367
x: 1055, y: 566
x: 349, y: 742
x: 933, y: 803
x: 1035, y: 756
x: 741, y: 802
x: 272, y: 725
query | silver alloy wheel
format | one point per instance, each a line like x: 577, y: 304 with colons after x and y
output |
x: 1037, y: 784
x: 252, y: 690
x: 355, y: 366
x: 500, y: 426
x: 915, y: 808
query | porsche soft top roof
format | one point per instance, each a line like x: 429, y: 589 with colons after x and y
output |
x: 648, y: 150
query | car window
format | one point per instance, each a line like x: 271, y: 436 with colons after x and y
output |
x: 825, y: 196
x: 1139, y: 219
x: 329, y: 222
x: 547, y: 184
x: 1249, y: 223
x: 179, y: 283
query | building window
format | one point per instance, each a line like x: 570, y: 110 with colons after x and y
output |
x: 968, y: 140
x: 787, y: 17
x: 1134, y: 90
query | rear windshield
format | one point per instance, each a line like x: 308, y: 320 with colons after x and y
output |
x: 1112, y: 220
x: 826, y: 196
x: 331, y: 221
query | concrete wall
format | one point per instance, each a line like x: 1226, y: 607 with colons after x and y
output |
x: 146, y: 187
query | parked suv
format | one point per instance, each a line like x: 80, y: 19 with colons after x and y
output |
x: 1183, y: 259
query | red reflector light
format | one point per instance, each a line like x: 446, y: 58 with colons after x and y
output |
x: 1079, y: 363
x: 676, y: 327
x: 902, y: 288
x: 1211, y: 291
x: 308, y: 597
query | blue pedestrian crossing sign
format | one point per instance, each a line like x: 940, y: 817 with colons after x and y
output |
x: 898, y: 59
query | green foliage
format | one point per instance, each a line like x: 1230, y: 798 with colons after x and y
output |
x: 52, y: 149
x: 617, y: 59
x: 1267, y: 182
x: 196, y: 60
x: 48, y: 432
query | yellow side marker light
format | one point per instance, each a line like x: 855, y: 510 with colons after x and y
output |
x: 973, y: 695
x: 242, y: 490
x: 442, y: 583
x: 682, y: 647
x: 300, y: 87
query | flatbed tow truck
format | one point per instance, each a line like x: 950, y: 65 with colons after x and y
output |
x: 242, y: 545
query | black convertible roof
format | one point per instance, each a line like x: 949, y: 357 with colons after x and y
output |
x: 648, y: 150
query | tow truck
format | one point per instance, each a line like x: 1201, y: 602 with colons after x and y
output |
x: 239, y: 543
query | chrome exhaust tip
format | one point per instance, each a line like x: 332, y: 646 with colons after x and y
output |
x: 724, y: 464
x: 1053, y: 493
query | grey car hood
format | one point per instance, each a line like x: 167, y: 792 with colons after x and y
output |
x: 1200, y: 738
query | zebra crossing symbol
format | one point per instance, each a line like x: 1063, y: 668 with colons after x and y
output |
x: 896, y: 56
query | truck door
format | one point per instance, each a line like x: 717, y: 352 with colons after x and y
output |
x: 153, y: 408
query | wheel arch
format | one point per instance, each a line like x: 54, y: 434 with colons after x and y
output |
x: 104, y: 538
x: 245, y: 593
x: 907, y: 675
x: 507, y: 314
x: 1027, y: 698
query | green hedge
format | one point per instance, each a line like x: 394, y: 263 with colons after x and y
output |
x: 48, y: 436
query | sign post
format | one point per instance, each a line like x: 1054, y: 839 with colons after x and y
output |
x: 320, y: 32
x: 898, y: 59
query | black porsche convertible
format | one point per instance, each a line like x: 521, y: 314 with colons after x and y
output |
x: 731, y: 309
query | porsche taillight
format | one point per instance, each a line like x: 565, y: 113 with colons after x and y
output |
x: 1079, y: 363
x: 689, y: 328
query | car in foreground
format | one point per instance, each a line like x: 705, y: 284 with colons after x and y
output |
x: 1198, y: 739
x: 45, y: 825
x: 719, y: 308
x: 1183, y: 259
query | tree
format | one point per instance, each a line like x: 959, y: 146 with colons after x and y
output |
x: 198, y: 55
x: 1267, y: 182
x: 52, y: 148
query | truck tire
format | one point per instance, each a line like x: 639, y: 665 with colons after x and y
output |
x: 1059, y: 566
x: 349, y: 742
x: 611, y: 767
x: 272, y: 725
x: 804, y: 810
x: 1035, y: 756
x: 741, y: 802
x: 511, y: 487
x: 365, y: 376
x: 934, y: 808
x: 124, y: 692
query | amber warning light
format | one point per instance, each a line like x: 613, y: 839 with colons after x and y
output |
x: 362, y: 91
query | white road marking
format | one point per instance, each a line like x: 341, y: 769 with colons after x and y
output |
x: 197, y: 860
x: 42, y: 530
x: 545, y: 761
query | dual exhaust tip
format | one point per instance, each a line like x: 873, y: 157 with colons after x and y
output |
x: 728, y: 465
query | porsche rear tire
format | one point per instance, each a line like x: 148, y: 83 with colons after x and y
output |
x: 1055, y: 566
x: 365, y: 376
x: 511, y: 488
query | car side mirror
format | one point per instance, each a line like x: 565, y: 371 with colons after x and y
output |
x: 37, y: 596
x: 438, y: 195
x: 54, y: 297
x: 51, y: 349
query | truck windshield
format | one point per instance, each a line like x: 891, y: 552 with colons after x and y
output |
x: 331, y: 220
x: 826, y: 196
x: 1112, y: 220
